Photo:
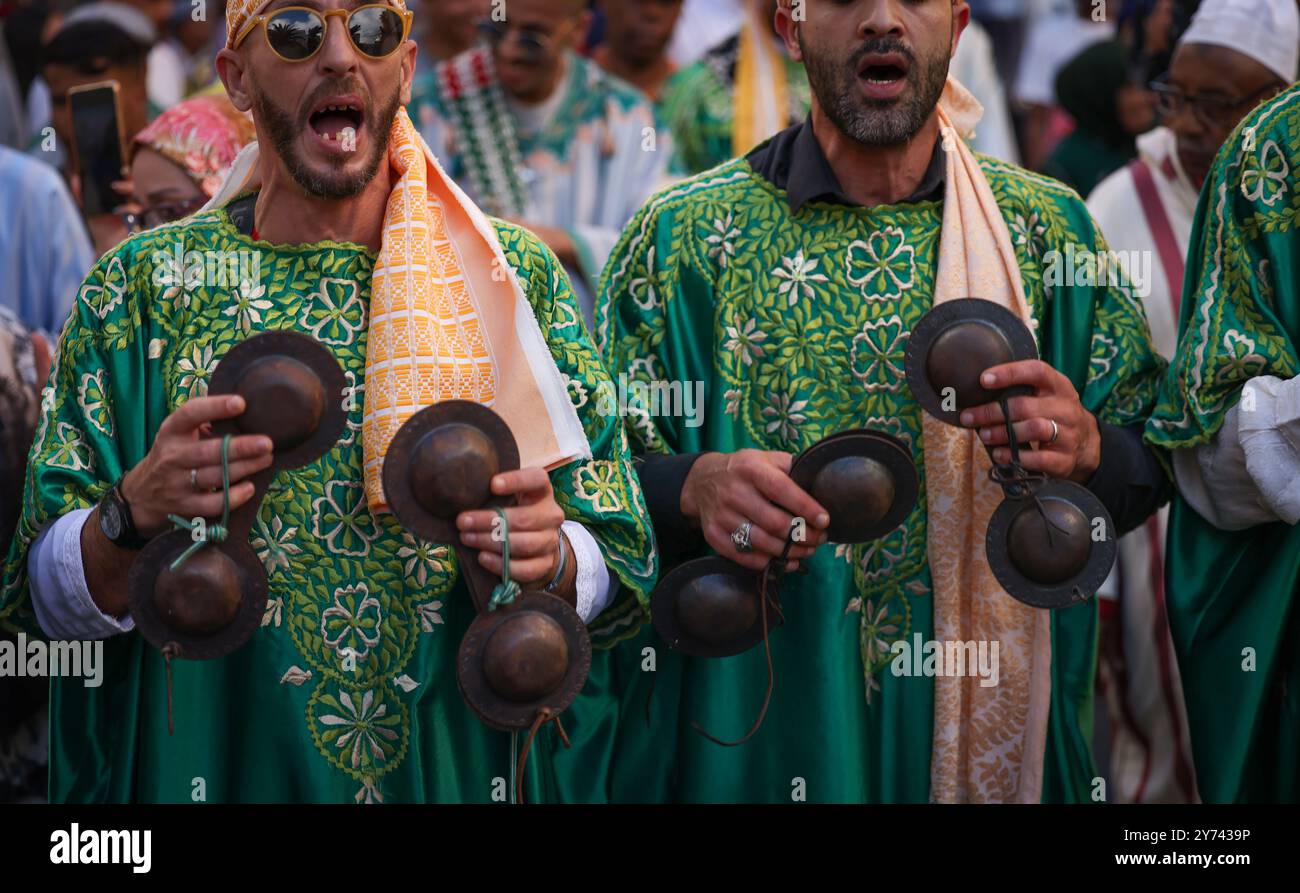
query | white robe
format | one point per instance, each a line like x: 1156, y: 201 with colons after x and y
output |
x: 1150, y: 749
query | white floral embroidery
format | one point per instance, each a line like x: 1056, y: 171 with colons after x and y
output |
x: 797, y: 276
x: 721, y: 246
x: 745, y: 340
x: 248, y: 306
x: 197, y: 369
x: 785, y: 415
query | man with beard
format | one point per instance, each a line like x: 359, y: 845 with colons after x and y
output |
x: 788, y: 282
x: 541, y: 136
x: 347, y: 691
x: 1234, y: 56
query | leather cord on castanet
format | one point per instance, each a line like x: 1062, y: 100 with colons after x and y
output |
x: 775, y: 569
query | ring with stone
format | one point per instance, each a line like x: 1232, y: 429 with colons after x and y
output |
x: 740, y: 537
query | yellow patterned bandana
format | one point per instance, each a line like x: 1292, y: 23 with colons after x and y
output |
x: 448, y: 317
x: 238, y: 12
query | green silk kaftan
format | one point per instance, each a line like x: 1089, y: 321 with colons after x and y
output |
x: 1230, y: 591
x: 282, y: 718
x: 796, y: 323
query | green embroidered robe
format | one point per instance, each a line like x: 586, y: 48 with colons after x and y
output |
x: 796, y: 323
x: 283, y: 718
x: 1230, y: 591
x: 698, y: 103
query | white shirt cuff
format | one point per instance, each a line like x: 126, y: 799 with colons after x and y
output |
x: 593, y: 579
x: 60, y: 596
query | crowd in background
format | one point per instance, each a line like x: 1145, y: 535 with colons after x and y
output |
x: 1071, y: 88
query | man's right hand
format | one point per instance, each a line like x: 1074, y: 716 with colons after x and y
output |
x: 724, y: 490
x: 161, y: 484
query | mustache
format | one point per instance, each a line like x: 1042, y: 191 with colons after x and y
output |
x: 882, y: 45
x: 334, y: 87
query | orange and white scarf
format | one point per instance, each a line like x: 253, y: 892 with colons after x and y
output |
x: 448, y: 317
x: 989, y: 743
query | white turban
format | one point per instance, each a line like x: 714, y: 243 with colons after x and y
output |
x: 1267, y: 31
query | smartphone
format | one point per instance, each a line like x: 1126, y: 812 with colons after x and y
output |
x: 99, y: 145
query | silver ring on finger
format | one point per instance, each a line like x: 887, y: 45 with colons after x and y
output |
x: 194, y: 480
x: 740, y: 537
x: 1056, y: 432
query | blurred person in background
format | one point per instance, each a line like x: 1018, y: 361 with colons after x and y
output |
x: 26, y: 32
x: 1005, y: 22
x: 45, y: 251
x: 974, y: 67
x: 1235, y: 55
x: 1108, y: 110
x: 196, y: 41
x: 178, y: 162
x: 24, y: 720
x: 635, y: 48
x: 1054, y: 37
x: 542, y: 137
x: 447, y: 28
x: 703, y: 25
x: 99, y: 42
x: 167, y: 71
x: 13, y: 125
x: 741, y: 92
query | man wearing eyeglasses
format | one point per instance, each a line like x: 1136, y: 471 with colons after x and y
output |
x: 1229, y: 413
x: 343, y: 228
x: 541, y: 136
x: 1233, y: 56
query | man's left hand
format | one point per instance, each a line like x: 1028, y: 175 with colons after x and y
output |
x: 1076, y: 452
x: 534, y: 528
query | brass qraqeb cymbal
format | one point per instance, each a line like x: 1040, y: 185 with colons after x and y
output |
x: 953, y: 345
x: 441, y: 463
x: 866, y: 480
x: 1051, y: 549
x: 204, y: 609
x: 523, y: 659
x: 709, y: 607
x: 211, y: 603
x: 293, y: 388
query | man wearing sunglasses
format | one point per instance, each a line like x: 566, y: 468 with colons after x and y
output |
x: 345, y: 229
x: 537, y: 134
x: 1235, y: 55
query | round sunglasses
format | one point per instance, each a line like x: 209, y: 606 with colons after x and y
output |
x: 296, y: 33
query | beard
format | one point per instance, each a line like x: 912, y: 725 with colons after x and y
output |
x: 334, y: 182
x: 868, y: 122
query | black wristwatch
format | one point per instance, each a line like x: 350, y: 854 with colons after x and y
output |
x: 116, y: 522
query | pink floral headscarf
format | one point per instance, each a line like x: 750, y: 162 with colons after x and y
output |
x: 202, y: 136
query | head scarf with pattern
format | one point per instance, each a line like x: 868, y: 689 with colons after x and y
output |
x: 202, y: 136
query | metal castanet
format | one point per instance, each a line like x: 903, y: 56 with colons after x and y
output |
x: 523, y: 659
x: 1051, y: 547
x: 527, y: 654
x: 711, y: 607
x: 1050, y: 544
x: 953, y: 345
x: 440, y: 463
x: 866, y: 480
x: 208, y: 603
